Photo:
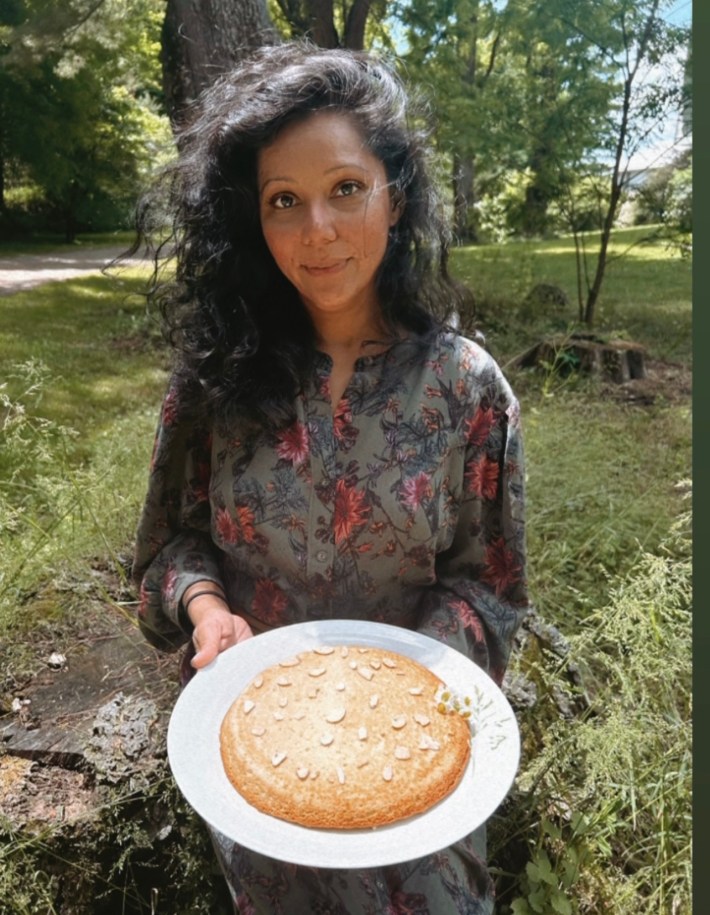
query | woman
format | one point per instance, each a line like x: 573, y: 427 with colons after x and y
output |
x: 327, y: 447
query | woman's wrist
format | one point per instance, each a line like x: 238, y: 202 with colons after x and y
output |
x: 199, y: 598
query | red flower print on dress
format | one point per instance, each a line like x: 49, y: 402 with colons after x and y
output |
x: 170, y: 408
x: 502, y: 570
x: 468, y: 360
x: 343, y: 428
x: 408, y: 904
x: 169, y: 582
x: 245, y: 523
x: 437, y: 365
x: 293, y: 444
x: 481, y: 477
x: 479, y: 426
x: 350, y: 510
x: 269, y: 601
x: 200, y: 490
x: 343, y: 413
x: 226, y: 526
x: 513, y: 413
x: 415, y: 490
x: 433, y: 420
x: 236, y: 529
x: 469, y: 618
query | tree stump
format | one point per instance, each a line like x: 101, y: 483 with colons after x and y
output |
x: 616, y: 360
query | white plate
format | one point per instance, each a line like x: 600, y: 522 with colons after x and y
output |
x: 193, y: 751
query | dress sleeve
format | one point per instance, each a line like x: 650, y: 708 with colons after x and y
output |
x: 174, y: 547
x: 480, y: 596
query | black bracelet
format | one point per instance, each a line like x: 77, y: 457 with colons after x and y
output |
x: 186, y: 604
x: 184, y: 620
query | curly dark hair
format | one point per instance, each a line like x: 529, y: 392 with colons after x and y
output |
x: 242, y: 337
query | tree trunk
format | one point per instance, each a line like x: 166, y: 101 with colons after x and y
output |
x: 593, y: 294
x: 321, y: 25
x: 464, y: 198
x: 202, y: 39
x: 618, y: 174
x: 354, y: 37
x: 540, y: 191
x: 2, y: 157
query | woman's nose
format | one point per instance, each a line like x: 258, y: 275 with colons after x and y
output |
x: 319, y: 224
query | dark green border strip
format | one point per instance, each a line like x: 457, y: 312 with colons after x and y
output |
x: 701, y: 433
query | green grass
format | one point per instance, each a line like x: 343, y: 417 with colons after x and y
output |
x: 79, y: 395
x: 602, y: 487
x: 91, y: 335
x: 646, y: 294
x: 40, y: 243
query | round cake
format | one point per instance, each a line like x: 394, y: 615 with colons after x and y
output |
x: 344, y: 737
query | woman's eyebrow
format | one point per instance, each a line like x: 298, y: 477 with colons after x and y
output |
x: 285, y: 178
x: 328, y: 171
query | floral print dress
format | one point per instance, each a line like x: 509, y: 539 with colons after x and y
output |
x: 402, y: 506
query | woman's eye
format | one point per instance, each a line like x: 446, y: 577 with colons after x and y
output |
x: 283, y: 201
x: 348, y: 188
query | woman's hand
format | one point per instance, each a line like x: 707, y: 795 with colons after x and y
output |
x: 216, y: 629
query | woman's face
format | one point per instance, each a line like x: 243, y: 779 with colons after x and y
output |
x: 326, y: 212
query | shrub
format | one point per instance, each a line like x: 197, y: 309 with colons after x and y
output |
x: 605, y: 797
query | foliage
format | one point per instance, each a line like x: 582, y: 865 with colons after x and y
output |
x: 453, y: 53
x: 667, y: 198
x: 88, y: 73
x: 607, y: 795
x: 562, y: 95
x: 628, y: 37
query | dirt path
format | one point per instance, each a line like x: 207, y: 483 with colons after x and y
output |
x: 25, y: 271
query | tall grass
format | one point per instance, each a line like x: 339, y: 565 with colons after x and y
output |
x: 78, y: 403
x: 64, y: 496
x: 604, y: 802
x: 602, y: 488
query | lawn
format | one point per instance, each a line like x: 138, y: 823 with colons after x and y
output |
x: 646, y: 295
x: 40, y: 243
x: 83, y: 375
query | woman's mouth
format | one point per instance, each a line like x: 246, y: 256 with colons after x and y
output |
x: 328, y: 269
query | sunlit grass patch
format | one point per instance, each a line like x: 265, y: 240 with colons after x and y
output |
x: 646, y: 293
x: 602, y: 488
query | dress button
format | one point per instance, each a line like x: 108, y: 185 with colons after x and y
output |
x: 321, y: 555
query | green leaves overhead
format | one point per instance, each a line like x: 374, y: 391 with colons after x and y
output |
x: 79, y: 92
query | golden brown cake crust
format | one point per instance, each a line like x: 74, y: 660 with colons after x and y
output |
x: 343, y: 737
